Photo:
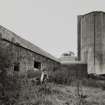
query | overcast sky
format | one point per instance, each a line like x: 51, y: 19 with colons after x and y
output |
x: 49, y: 24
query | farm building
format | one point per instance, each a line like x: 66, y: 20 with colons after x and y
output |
x: 91, y: 41
x: 25, y: 55
x: 67, y: 58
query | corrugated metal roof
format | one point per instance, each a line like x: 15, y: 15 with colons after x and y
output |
x: 11, y: 36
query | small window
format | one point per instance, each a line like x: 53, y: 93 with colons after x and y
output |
x: 37, y: 65
x: 16, y: 66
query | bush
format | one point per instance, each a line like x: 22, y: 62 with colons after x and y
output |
x: 60, y: 77
x: 94, y: 83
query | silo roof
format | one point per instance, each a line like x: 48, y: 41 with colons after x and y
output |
x: 93, y: 12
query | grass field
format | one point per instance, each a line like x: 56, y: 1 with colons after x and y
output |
x: 85, y: 92
x: 55, y: 94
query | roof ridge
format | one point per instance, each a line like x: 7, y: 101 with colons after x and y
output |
x: 25, y: 43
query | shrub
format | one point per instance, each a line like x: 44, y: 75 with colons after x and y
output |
x: 94, y: 83
x: 60, y: 77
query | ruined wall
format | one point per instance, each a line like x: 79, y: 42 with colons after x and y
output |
x: 76, y: 71
x: 92, y: 42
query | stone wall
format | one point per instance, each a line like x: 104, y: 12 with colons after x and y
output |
x: 24, y: 86
x: 26, y: 58
x: 76, y: 71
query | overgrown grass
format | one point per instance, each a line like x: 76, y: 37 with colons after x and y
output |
x: 35, y: 95
x: 61, y: 77
x: 65, y: 77
x: 94, y: 83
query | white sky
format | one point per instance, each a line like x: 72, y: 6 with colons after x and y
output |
x: 49, y: 24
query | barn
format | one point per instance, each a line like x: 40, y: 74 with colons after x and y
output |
x: 25, y: 55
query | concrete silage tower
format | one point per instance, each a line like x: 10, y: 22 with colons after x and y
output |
x: 91, y: 41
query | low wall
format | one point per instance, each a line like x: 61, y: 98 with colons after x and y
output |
x: 76, y: 71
